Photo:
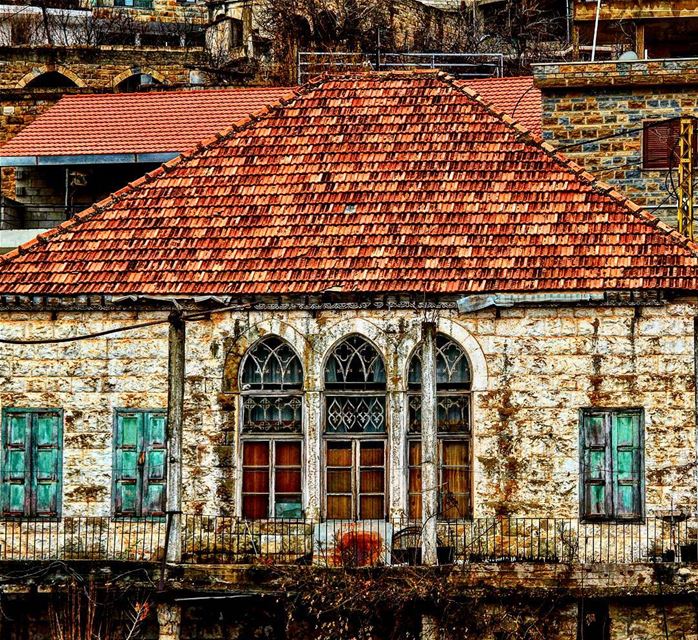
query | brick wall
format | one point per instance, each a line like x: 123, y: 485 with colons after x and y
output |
x: 586, y: 101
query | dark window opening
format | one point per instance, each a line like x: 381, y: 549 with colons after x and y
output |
x: 51, y: 80
x: 593, y: 620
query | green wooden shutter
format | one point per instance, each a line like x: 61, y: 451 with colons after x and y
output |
x: 597, y: 498
x: 127, y: 477
x: 154, y: 470
x: 627, y: 464
x: 46, y: 462
x: 16, y: 466
x: 140, y: 455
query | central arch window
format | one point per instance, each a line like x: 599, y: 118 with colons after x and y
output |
x: 271, y: 383
x: 355, y: 432
x: 454, y: 432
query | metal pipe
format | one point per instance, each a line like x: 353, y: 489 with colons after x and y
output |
x: 596, y: 30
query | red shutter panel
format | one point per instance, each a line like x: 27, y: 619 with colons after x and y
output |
x: 660, y: 145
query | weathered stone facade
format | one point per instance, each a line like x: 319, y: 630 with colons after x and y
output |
x: 583, y: 102
x: 533, y: 370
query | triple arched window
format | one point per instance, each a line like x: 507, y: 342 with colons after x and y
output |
x: 271, y: 384
x: 355, y: 434
x: 453, y: 386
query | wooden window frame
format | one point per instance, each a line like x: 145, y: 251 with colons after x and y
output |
x: 441, y: 439
x: 355, y: 441
x: 115, y: 446
x: 29, y: 475
x: 609, y: 498
x: 271, y: 441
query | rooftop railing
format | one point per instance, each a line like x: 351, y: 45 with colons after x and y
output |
x: 228, y: 540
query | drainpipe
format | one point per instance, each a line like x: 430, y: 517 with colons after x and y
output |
x: 596, y: 30
x: 430, y: 478
x: 175, y: 411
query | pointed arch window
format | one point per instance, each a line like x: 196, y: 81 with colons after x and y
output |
x: 454, y: 430
x: 355, y: 431
x: 271, y: 383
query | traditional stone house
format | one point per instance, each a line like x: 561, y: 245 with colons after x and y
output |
x: 392, y: 312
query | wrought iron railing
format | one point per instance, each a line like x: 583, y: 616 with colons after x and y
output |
x: 229, y: 540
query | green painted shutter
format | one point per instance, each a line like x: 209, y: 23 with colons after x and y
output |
x: 140, y: 463
x: 127, y: 478
x: 16, y: 466
x: 595, y: 465
x: 154, y: 471
x: 46, y: 462
x: 627, y: 464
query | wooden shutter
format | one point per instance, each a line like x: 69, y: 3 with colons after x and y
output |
x: 46, y: 462
x: 140, y: 463
x: 596, y: 492
x: 127, y: 478
x: 155, y: 468
x: 626, y: 437
x: 659, y: 142
x: 16, y: 466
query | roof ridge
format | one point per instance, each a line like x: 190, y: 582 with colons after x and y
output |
x: 113, y: 198
x: 585, y: 176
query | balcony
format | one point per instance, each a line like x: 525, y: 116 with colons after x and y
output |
x: 223, y: 540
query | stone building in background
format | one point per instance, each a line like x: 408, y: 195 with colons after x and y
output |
x: 294, y: 353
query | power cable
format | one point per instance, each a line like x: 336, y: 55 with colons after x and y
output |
x: 615, y: 135
x: 198, y: 315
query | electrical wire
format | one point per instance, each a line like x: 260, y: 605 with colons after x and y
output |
x: 616, y: 135
x: 191, y: 317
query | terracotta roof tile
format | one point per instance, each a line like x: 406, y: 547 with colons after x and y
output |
x: 516, y: 97
x: 154, y: 122
x: 373, y: 183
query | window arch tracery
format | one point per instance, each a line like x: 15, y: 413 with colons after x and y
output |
x: 454, y: 430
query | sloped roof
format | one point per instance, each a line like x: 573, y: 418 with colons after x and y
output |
x: 136, y: 123
x: 371, y: 183
x: 515, y: 96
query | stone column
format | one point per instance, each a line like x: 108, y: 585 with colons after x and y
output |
x: 313, y: 449
x: 175, y: 415
x: 396, y: 410
x: 430, y: 476
x: 169, y: 621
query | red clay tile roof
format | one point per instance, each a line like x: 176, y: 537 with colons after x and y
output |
x: 155, y: 122
x: 515, y: 96
x: 373, y: 183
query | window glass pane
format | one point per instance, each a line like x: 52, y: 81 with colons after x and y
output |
x: 371, y: 454
x: 339, y: 454
x: 255, y: 507
x: 288, y: 507
x: 288, y: 454
x: 371, y: 481
x: 256, y: 454
x: 456, y: 453
x: 355, y: 414
x: 273, y: 365
x: 338, y: 481
x: 452, y: 366
x: 355, y: 364
x: 339, y: 507
x: 255, y: 481
x: 371, y: 507
x: 287, y: 481
x: 415, y: 453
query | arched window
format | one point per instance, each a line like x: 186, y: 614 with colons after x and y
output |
x: 355, y: 432
x: 271, y: 383
x: 453, y: 385
x: 51, y: 79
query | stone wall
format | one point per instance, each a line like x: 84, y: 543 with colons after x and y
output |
x: 533, y: 369
x: 583, y: 102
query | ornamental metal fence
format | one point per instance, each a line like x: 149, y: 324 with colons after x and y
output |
x: 338, y: 543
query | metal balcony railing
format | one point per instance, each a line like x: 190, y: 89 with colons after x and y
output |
x: 229, y: 540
